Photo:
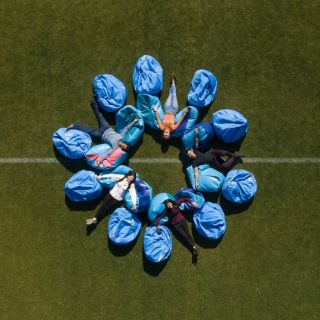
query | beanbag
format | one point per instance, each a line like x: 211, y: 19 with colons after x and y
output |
x: 83, y: 186
x: 111, y: 93
x: 157, y: 207
x: 147, y: 75
x: 189, y: 120
x: 194, y: 196
x: 239, y: 186
x: 157, y: 247
x: 209, y: 179
x: 229, y: 125
x: 124, y: 117
x: 205, y: 137
x: 144, y: 105
x: 72, y: 144
x: 203, y: 89
x: 210, y: 221
x: 123, y: 227
x: 109, y: 183
x: 144, y: 197
x: 114, y: 159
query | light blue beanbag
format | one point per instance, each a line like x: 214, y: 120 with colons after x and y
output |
x: 109, y: 183
x: 157, y: 207
x: 189, y: 120
x: 124, y: 117
x: 123, y: 227
x: 205, y: 137
x: 83, y: 186
x: 191, y: 194
x: 147, y: 75
x: 116, y: 158
x: 72, y: 144
x: 210, y: 221
x: 203, y: 89
x: 209, y: 179
x: 157, y: 247
x: 229, y: 125
x: 144, y: 105
x: 111, y: 93
x: 239, y: 186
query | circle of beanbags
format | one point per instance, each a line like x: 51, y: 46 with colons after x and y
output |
x: 123, y: 227
x: 147, y: 75
x: 117, y: 157
x: 83, y: 186
x: 71, y: 143
x: 111, y: 93
x: 157, y: 207
x: 239, y: 186
x: 205, y: 136
x: 157, y: 247
x: 191, y: 194
x: 189, y: 120
x: 144, y: 197
x: 229, y: 125
x: 210, y: 221
x: 203, y: 89
x: 209, y: 179
x: 124, y: 117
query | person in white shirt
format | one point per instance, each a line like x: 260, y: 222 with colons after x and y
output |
x: 114, y: 197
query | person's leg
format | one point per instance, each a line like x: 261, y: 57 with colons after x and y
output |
x: 102, y: 122
x: 108, y: 203
x: 174, y: 101
x: 167, y: 105
x: 229, y: 163
x: 221, y: 153
x: 202, y: 157
x: 94, y: 133
x: 182, y: 229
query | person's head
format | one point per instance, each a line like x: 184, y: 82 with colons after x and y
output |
x: 166, y: 134
x: 131, y: 176
x: 122, y: 145
x: 169, y: 203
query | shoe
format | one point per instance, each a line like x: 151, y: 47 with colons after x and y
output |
x: 237, y: 154
x: 70, y: 127
x: 173, y: 79
x: 195, y: 251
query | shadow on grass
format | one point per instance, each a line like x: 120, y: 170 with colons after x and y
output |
x: 121, y: 250
x: 82, y: 205
x: 72, y: 165
x: 153, y: 269
x: 230, y: 208
x: 231, y: 147
x: 204, y: 242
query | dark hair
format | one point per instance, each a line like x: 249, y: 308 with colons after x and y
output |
x: 171, y: 201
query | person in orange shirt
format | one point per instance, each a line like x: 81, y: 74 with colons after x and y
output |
x: 170, y: 109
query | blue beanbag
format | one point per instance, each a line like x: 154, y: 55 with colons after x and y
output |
x: 229, y: 125
x: 123, y: 227
x: 144, y: 197
x: 111, y: 93
x: 157, y: 207
x: 109, y: 183
x: 205, y: 137
x: 72, y: 143
x: 83, y: 186
x: 147, y: 75
x: 210, y: 221
x: 114, y: 159
x: 124, y: 117
x: 157, y: 247
x: 144, y: 105
x: 189, y: 120
x: 239, y: 186
x: 209, y: 179
x: 194, y: 196
x: 203, y: 89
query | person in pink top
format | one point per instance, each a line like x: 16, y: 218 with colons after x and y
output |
x: 178, y: 222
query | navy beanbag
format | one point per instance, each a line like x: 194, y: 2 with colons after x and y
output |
x: 123, y: 227
x: 157, y: 247
x: 229, y: 125
x: 147, y: 75
x: 157, y: 207
x: 210, y: 221
x: 205, y: 137
x: 111, y: 93
x: 72, y: 144
x: 191, y: 194
x: 239, y: 186
x: 83, y: 186
x: 189, y: 120
x: 203, y: 89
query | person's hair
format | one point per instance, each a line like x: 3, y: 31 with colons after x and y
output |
x: 171, y: 201
x: 130, y: 173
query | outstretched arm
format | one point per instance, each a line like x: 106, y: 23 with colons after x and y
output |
x: 176, y: 125
x: 160, y: 125
x: 111, y: 176
x: 104, y: 156
x: 133, y: 194
x: 126, y: 129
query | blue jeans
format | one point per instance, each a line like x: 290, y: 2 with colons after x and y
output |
x: 171, y: 105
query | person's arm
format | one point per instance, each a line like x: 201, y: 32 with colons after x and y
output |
x: 110, y: 176
x: 196, y: 176
x: 176, y: 125
x: 158, y: 219
x: 101, y: 158
x: 133, y: 194
x: 181, y: 200
x: 126, y: 129
x: 160, y: 125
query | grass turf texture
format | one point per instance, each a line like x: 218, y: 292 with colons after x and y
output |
x: 265, y: 55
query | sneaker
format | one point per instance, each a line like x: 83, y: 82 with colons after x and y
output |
x: 173, y: 79
x: 195, y: 251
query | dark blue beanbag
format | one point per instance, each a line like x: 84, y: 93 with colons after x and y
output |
x: 72, y: 144
x: 157, y: 247
x: 147, y: 75
x: 239, y: 186
x: 157, y: 207
x: 124, y: 117
x: 205, y: 137
x: 203, y: 89
x: 123, y: 227
x: 229, y: 125
x: 189, y: 120
x: 83, y: 186
x: 210, y: 221
x: 191, y: 194
x: 111, y: 93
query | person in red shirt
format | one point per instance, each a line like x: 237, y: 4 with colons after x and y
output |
x: 178, y: 222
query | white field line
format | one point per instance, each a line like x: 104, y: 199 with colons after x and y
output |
x: 163, y: 160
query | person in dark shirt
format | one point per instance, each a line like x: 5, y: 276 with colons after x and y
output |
x: 178, y: 222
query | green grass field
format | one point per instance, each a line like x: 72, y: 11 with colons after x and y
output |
x: 266, y: 56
